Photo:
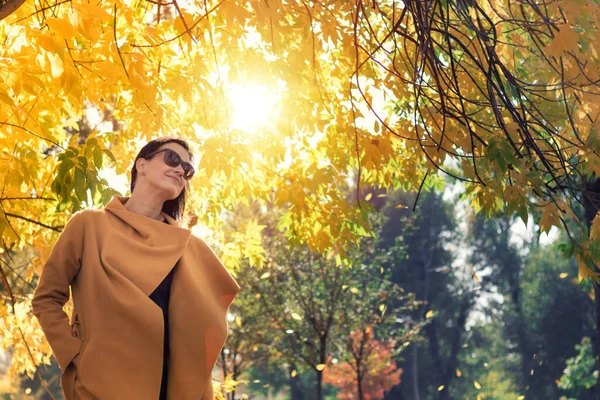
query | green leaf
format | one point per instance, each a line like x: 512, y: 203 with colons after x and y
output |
x: 98, y: 157
x: 80, y: 189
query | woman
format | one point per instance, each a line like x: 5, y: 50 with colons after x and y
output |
x: 149, y: 298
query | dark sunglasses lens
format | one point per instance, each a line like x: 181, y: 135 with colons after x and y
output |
x: 172, y: 159
x: 188, y: 170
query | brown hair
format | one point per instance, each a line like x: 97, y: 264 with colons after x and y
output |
x: 175, y: 207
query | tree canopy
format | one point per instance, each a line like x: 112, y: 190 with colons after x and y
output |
x: 293, y: 105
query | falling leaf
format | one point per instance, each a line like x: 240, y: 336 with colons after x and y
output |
x: 563, y: 275
x: 368, y: 196
x: 477, y: 385
x: 265, y: 275
x: 429, y: 314
x: 294, y: 373
x: 521, y: 398
x: 354, y: 290
x: 458, y: 373
x: 440, y: 388
x: 400, y: 206
x: 474, y: 273
x: 320, y: 367
x: 296, y: 316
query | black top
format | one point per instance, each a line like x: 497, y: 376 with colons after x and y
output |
x: 161, y: 297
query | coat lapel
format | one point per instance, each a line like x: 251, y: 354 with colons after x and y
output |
x: 155, y: 245
x: 201, y: 292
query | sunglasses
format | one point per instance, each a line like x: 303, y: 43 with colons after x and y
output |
x: 172, y: 159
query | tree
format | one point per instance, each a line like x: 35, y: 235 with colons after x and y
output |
x: 378, y: 374
x: 579, y: 374
x: 500, y: 95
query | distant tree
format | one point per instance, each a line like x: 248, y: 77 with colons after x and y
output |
x: 580, y: 374
x: 371, y: 371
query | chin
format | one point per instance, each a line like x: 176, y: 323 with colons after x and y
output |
x: 170, y: 192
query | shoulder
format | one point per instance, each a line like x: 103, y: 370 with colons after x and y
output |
x: 82, y: 218
x: 197, y: 241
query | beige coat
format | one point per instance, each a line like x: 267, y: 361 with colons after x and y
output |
x: 113, y: 259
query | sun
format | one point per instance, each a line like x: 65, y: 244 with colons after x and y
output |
x: 253, y: 106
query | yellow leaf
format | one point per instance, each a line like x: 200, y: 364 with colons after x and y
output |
x: 521, y: 398
x: 477, y: 385
x: 458, y: 373
x: 595, y: 229
x: 265, y: 275
x: 549, y: 218
x: 294, y: 373
x: 320, y: 367
x: 474, y: 273
x: 440, y: 388
x: 429, y: 314
x: 296, y: 316
x: 565, y: 40
x: 331, y: 254
x: 56, y: 65
x: 584, y: 270
x: 61, y: 27
x: 92, y: 10
x: 238, y: 322
x: 354, y: 290
x: 563, y: 275
x: 401, y: 206
x: 368, y: 196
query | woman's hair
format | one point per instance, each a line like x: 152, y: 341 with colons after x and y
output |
x: 175, y: 207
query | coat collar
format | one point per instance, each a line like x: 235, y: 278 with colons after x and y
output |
x: 157, y: 245
x: 116, y: 206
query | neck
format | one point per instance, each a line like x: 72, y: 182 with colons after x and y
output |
x: 149, y: 206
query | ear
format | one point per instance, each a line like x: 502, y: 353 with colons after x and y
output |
x: 140, y: 164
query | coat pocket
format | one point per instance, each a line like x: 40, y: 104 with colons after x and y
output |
x: 76, y: 329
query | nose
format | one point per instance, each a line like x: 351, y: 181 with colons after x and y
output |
x: 179, y: 170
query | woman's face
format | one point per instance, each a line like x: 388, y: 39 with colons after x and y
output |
x: 157, y: 175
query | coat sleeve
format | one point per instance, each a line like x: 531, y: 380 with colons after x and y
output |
x: 52, y: 291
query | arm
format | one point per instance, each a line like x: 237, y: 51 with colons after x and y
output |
x: 52, y: 291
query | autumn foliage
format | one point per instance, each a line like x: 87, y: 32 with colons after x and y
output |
x: 380, y: 372
x: 295, y: 105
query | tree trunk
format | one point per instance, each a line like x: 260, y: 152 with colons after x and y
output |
x: 224, y: 369
x: 235, y: 376
x: 9, y: 7
x: 359, y: 379
x: 295, y: 389
x: 319, y: 385
x: 591, y: 205
x: 415, y: 372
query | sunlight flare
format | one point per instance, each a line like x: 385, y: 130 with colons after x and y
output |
x: 253, y: 106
